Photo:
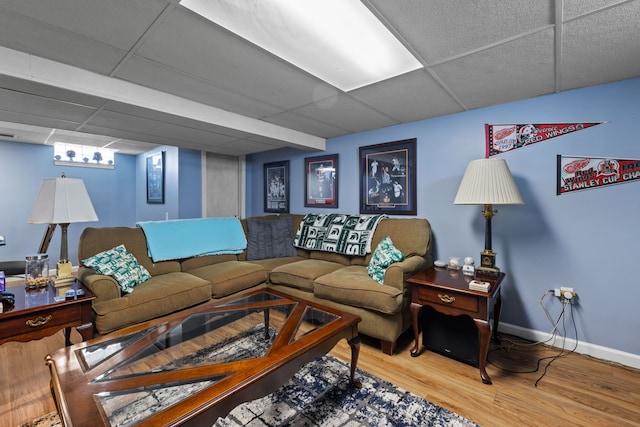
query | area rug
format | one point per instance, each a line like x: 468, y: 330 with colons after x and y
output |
x: 320, y: 395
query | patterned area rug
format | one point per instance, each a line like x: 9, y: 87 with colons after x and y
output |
x: 320, y: 395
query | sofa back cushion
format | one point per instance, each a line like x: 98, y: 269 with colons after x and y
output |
x: 95, y: 240
x: 412, y: 236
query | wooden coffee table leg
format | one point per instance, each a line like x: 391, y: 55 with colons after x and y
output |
x: 67, y: 336
x: 354, y: 343
x: 266, y: 325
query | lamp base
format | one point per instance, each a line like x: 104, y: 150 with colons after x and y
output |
x: 488, y: 264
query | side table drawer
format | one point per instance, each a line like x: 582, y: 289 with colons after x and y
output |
x: 40, y: 321
x: 448, y: 299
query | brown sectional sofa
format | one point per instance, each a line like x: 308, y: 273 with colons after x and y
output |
x: 329, y: 278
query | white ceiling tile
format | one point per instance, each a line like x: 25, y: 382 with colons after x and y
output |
x: 159, y: 77
x: 44, y: 107
x: 439, y: 29
x: 313, y: 126
x: 409, y: 97
x: 227, y: 61
x: 118, y: 23
x: 346, y: 112
x: 602, y: 47
x: 41, y: 39
x: 521, y: 69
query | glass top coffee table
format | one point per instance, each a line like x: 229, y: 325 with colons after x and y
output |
x: 197, y: 365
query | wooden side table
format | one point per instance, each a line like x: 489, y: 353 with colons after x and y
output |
x: 36, y: 314
x: 448, y: 292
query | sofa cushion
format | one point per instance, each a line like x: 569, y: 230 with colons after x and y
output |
x: 270, y: 238
x: 229, y: 277
x: 384, y: 255
x: 121, y: 265
x: 352, y: 286
x: 301, y: 274
x: 156, y: 297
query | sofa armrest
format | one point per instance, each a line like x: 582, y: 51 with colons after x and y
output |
x: 103, y: 287
x: 398, y: 272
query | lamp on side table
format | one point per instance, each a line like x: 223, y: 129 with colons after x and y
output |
x: 61, y: 201
x: 488, y: 182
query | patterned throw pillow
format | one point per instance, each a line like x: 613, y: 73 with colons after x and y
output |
x: 121, y: 265
x: 384, y: 255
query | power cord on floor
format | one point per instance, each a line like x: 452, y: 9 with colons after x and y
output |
x: 553, y: 336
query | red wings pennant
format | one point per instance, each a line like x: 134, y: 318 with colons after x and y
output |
x: 503, y: 138
x: 585, y: 173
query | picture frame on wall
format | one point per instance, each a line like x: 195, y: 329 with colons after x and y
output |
x: 388, y: 178
x: 276, y: 183
x: 155, y: 178
x: 321, y: 181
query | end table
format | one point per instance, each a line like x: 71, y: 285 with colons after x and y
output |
x: 447, y: 291
x: 36, y: 314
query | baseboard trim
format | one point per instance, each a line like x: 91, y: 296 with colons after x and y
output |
x: 594, y: 350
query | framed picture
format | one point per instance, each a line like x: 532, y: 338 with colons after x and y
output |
x: 155, y: 178
x: 276, y: 183
x: 321, y: 181
x: 388, y: 178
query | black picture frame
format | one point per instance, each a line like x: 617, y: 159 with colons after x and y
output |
x: 388, y: 178
x: 155, y: 178
x: 321, y: 181
x: 276, y: 187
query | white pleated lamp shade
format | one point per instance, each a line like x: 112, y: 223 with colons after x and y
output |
x: 488, y: 182
x: 62, y: 201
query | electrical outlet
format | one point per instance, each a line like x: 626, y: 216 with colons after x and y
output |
x: 565, y: 294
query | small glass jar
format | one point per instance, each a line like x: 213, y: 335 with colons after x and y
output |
x: 36, y: 272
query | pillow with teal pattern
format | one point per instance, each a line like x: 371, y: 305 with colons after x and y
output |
x: 121, y: 265
x: 384, y: 255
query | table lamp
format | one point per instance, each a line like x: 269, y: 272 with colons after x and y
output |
x: 61, y: 201
x: 488, y: 182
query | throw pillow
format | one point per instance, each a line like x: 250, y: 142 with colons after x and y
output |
x: 121, y: 265
x: 270, y: 238
x: 384, y: 255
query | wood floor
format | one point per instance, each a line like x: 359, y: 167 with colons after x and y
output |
x: 577, y: 390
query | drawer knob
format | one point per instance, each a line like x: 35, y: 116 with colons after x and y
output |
x: 39, y: 321
x: 446, y: 298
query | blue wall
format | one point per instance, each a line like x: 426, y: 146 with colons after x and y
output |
x: 118, y: 195
x: 586, y: 240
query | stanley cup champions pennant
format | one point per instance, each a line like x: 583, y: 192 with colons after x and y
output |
x: 503, y: 138
x: 585, y: 173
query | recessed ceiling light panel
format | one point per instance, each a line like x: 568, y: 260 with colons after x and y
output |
x: 338, y: 41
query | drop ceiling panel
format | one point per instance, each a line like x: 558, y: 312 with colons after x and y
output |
x: 41, y: 39
x: 521, y: 69
x: 409, y: 97
x: 293, y: 120
x: 160, y: 129
x: 48, y: 92
x: 117, y: 23
x: 573, y: 8
x: 156, y: 76
x: 34, y: 105
x: 227, y: 61
x: 33, y: 120
x: 347, y: 113
x: 161, y: 117
x: 439, y: 29
x: 602, y: 47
